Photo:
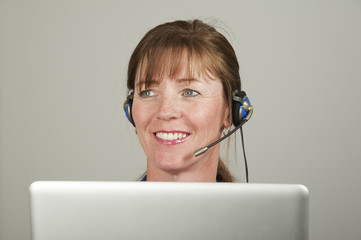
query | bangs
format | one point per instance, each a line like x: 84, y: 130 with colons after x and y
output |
x: 159, y: 63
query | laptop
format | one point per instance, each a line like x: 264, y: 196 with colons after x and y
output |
x: 164, y: 210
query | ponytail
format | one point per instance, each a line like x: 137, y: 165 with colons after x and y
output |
x: 223, y: 173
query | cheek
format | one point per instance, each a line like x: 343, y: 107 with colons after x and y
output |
x: 142, y: 118
x: 209, y: 116
x: 140, y: 114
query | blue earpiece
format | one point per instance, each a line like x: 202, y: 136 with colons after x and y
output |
x: 127, y: 106
x: 241, y: 108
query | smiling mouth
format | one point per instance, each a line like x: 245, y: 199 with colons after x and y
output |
x: 171, y: 136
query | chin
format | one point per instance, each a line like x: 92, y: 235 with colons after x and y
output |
x: 172, y: 163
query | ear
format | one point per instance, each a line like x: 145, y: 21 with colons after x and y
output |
x: 227, y: 120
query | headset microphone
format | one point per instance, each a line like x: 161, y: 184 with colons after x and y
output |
x: 205, y: 149
x: 242, y: 111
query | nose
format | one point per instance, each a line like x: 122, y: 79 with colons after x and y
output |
x: 169, y: 108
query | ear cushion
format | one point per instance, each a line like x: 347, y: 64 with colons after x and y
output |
x: 239, y: 106
x: 127, y: 106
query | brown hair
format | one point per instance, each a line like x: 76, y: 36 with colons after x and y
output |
x: 208, y: 51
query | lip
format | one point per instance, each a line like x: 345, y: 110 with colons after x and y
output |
x: 174, y: 141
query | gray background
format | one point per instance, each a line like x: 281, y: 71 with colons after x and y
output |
x: 63, y: 69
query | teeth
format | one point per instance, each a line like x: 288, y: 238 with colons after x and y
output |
x: 170, y: 136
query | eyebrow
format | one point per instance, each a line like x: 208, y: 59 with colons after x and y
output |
x: 188, y: 80
x: 156, y: 82
x: 149, y: 83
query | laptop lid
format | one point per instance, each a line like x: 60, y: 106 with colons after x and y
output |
x: 163, y: 210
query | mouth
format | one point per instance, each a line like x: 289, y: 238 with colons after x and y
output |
x: 171, y: 137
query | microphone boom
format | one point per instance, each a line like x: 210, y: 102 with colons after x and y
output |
x: 205, y: 149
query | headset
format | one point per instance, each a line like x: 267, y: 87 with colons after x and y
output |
x: 242, y: 111
x: 127, y: 106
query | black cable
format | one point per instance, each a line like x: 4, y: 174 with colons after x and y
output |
x: 244, y: 154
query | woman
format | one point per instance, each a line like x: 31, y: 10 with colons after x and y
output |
x: 181, y: 77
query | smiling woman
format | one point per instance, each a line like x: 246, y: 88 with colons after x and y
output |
x: 181, y: 77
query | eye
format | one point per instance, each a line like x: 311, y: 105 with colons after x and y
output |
x: 190, y: 93
x: 146, y: 93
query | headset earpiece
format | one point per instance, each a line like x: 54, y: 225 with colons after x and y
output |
x: 241, y: 107
x: 127, y: 106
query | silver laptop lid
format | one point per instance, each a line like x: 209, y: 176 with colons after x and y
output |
x: 161, y: 210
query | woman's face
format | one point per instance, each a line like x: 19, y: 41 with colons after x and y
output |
x: 175, y: 117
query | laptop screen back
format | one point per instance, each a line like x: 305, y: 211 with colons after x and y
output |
x: 161, y: 210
